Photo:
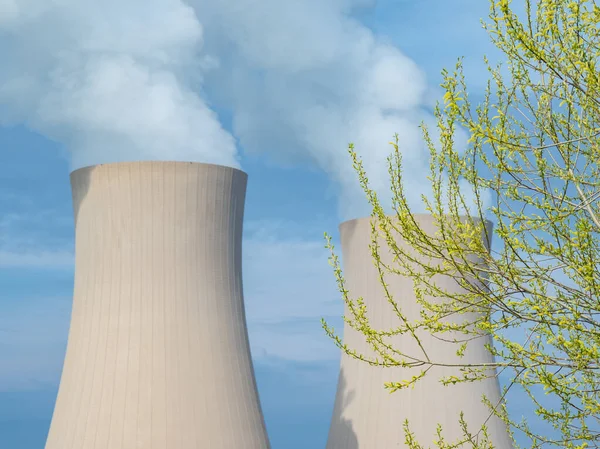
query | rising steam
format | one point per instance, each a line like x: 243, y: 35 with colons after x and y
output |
x: 126, y: 79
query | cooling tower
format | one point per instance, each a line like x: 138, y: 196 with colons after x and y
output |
x: 367, y: 416
x: 158, y: 354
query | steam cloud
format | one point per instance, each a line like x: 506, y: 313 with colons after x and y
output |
x: 126, y: 79
x: 112, y: 80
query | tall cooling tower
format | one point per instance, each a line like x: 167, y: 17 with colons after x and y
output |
x: 158, y: 354
x: 367, y: 416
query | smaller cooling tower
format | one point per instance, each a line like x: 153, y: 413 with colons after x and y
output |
x: 158, y: 354
x: 366, y: 416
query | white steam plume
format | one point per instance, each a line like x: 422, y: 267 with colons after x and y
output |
x: 305, y: 78
x: 124, y: 79
x: 112, y: 80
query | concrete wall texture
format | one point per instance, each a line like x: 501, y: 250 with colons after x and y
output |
x: 367, y: 416
x: 158, y: 354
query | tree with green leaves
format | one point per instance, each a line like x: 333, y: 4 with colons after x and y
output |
x: 534, y: 146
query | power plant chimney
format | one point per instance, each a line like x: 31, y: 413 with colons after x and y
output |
x: 367, y: 416
x: 158, y: 354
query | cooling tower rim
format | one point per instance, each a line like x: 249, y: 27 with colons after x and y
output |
x: 420, y: 218
x: 158, y: 163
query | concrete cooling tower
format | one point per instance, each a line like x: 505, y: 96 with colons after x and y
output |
x: 367, y: 416
x: 158, y: 354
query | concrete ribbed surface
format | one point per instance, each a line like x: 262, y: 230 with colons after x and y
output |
x: 366, y: 416
x: 158, y: 354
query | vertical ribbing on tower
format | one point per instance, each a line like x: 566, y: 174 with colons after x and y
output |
x: 158, y: 354
x: 367, y: 416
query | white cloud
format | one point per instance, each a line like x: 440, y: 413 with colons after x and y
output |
x: 29, y: 241
x: 111, y: 80
x: 9, y: 11
x: 305, y: 79
x: 33, y: 333
x: 129, y: 79
x: 60, y: 259
x: 288, y: 287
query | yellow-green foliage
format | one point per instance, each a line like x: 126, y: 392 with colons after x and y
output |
x: 534, y: 144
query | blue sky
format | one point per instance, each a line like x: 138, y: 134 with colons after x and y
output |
x: 277, y: 88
